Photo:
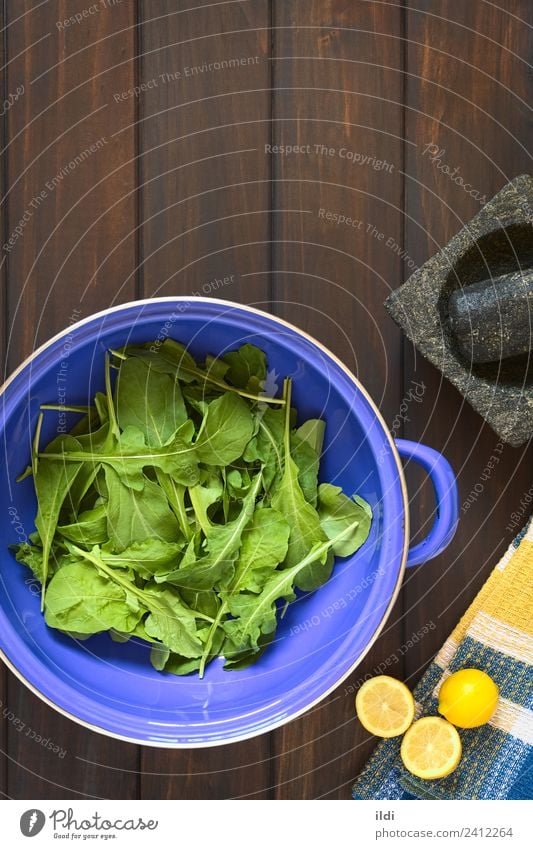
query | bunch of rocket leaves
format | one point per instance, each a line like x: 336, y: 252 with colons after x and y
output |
x: 184, y: 509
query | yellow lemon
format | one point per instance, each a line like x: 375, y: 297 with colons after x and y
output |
x: 385, y: 706
x: 431, y: 748
x: 468, y: 698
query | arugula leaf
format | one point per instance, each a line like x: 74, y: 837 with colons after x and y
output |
x: 204, y: 496
x: 178, y: 665
x: 216, y: 567
x: 134, y: 516
x: 175, y: 494
x: 339, y: 513
x: 159, y: 656
x: 168, y: 620
x: 307, y: 461
x: 52, y: 481
x: 225, y: 432
x: 89, y: 529
x: 312, y: 432
x: 171, y: 622
x: 266, y: 446
x: 153, y: 403
x: 150, y: 401
x: 255, y: 615
x: 32, y: 557
x: 264, y: 545
x: 148, y: 557
x: 173, y: 358
x: 247, y: 368
x: 79, y: 599
x: 305, y: 529
x: 177, y: 457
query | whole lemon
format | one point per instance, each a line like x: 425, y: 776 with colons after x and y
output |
x: 468, y: 698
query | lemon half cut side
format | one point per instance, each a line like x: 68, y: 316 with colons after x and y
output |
x: 431, y: 748
x: 385, y: 706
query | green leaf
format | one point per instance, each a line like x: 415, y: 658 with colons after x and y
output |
x: 264, y: 546
x: 182, y: 666
x: 307, y: 461
x: 159, y: 655
x: 150, y: 401
x: 79, y: 599
x: 236, y: 660
x: 173, y: 358
x: 171, y: 622
x: 226, y: 430
x: 247, y: 368
x: 222, y: 547
x: 289, y: 499
x: 312, y: 432
x: 201, y: 601
x: 339, y: 513
x: 131, y: 455
x: 255, y: 615
x: 134, y: 516
x: 32, y: 557
x: 147, y: 557
x: 266, y: 446
x: 203, y: 497
x: 89, y: 529
x: 52, y: 482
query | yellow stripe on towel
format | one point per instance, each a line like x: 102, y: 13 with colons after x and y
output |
x: 507, y: 595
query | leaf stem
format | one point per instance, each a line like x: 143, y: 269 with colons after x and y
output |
x: 109, y: 394
x: 148, y: 600
x: 67, y: 408
x: 175, y: 493
x: 199, y: 512
x: 118, y: 354
x: 35, y: 445
x: 205, y: 376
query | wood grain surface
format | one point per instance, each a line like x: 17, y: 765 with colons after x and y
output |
x: 185, y: 114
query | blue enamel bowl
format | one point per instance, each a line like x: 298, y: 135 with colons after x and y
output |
x: 111, y: 687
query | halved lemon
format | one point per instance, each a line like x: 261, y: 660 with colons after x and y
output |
x: 431, y: 748
x: 385, y: 706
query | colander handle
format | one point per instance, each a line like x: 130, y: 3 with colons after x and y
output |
x: 446, y: 496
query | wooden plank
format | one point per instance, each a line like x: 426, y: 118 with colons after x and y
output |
x: 337, y: 95
x: 467, y: 94
x: 205, y: 112
x: 71, y: 184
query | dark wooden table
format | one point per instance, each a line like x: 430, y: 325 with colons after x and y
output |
x: 138, y: 162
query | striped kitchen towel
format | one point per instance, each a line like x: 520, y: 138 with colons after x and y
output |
x: 495, y: 634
